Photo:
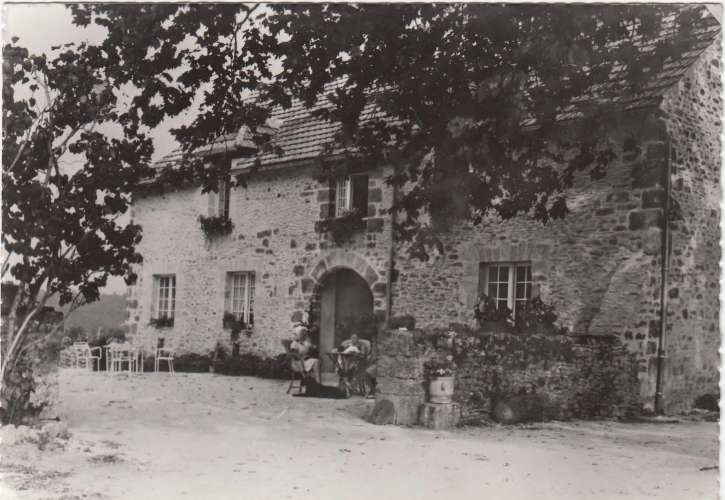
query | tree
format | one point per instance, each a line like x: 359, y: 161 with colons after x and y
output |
x: 61, y: 230
x: 470, y: 96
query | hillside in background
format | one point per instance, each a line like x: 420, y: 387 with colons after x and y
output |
x: 109, y: 312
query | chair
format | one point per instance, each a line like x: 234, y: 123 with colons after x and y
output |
x: 297, y: 367
x: 163, y: 354
x: 122, y: 353
x: 89, y: 355
x: 364, y: 382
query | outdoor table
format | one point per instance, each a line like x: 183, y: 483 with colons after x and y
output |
x: 346, y: 365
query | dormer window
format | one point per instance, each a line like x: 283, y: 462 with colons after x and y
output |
x: 347, y: 194
x: 219, y: 201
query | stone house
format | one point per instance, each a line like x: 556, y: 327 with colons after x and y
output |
x: 604, y: 267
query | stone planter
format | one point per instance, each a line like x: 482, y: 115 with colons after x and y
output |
x: 441, y: 389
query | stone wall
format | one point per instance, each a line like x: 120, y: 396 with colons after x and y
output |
x: 599, y: 266
x: 578, y: 378
x: 693, y: 109
x: 274, y: 236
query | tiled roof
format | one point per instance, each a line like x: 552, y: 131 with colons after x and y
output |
x: 301, y: 136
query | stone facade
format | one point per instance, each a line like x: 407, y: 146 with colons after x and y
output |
x: 601, y: 266
x: 693, y: 110
x: 274, y: 237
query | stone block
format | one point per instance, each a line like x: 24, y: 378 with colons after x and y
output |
x: 439, y: 416
x: 406, y: 409
x: 375, y: 225
x: 370, y: 275
x: 380, y: 288
x: 618, y: 197
x: 323, y: 195
x: 657, y: 151
x: 375, y: 195
x: 653, y: 199
x: 642, y: 219
x: 324, y: 210
x: 648, y: 174
x: 652, y: 241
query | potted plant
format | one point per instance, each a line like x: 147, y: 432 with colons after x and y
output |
x: 162, y: 322
x: 440, y: 374
x: 490, y: 317
x: 536, y: 317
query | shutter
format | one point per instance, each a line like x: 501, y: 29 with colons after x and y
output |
x: 212, y: 197
x: 172, y: 296
x: 227, y: 186
x: 482, y: 268
x: 359, y: 187
x: 154, y: 296
x: 228, y: 293
x: 333, y: 199
x: 250, y: 299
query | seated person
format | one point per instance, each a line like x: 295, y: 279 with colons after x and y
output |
x: 363, y: 347
x: 307, y: 350
x: 355, y: 345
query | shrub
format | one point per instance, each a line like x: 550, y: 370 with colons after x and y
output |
x: 341, y: 228
x: 403, y: 321
x: 215, y: 226
x: 162, y: 322
x: 31, y: 386
x: 710, y: 402
x: 253, y: 365
x: 486, y: 310
x: 535, y: 316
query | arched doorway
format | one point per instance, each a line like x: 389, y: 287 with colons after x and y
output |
x: 346, y: 307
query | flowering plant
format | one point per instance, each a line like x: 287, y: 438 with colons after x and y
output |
x: 486, y: 309
x: 440, y: 367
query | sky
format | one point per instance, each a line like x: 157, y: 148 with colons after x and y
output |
x: 42, y: 25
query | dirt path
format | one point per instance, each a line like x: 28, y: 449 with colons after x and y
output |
x: 200, y: 436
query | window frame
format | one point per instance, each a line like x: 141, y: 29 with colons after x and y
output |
x: 343, y: 186
x: 169, y: 311
x: 246, y: 301
x: 512, y: 282
x: 344, y: 197
x: 223, y: 199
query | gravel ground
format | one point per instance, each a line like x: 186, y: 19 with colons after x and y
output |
x: 202, y: 436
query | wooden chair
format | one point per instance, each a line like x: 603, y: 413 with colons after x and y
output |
x: 297, y: 368
x: 164, y: 354
x: 363, y: 383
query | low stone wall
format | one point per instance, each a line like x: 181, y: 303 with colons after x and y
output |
x: 578, y: 378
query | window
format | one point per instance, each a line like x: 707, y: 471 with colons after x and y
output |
x: 223, y: 205
x: 349, y: 193
x: 509, y: 284
x: 239, y: 296
x: 165, y: 297
x: 219, y: 201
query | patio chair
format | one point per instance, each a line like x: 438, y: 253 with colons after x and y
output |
x: 121, y: 353
x: 163, y: 354
x: 89, y: 355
